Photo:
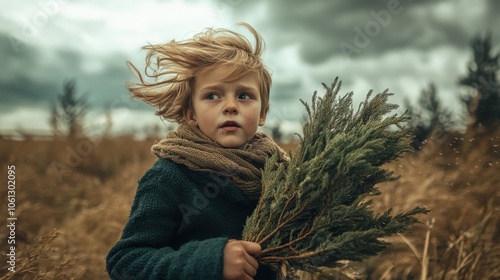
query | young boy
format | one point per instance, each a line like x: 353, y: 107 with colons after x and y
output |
x: 191, y: 206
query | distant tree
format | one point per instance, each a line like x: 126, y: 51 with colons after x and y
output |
x: 68, y: 112
x: 152, y: 132
x: 429, y: 116
x: 276, y: 133
x: 483, y: 104
x: 108, y: 122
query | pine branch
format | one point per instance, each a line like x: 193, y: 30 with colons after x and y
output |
x: 315, y: 211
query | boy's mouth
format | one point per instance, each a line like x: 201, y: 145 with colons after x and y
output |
x: 230, y: 126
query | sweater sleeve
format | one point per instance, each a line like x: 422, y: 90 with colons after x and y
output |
x: 144, y: 250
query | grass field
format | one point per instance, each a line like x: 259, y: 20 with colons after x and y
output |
x: 72, y: 199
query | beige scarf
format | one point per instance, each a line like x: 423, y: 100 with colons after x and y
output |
x: 190, y: 147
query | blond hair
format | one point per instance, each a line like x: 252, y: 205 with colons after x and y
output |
x: 174, y: 66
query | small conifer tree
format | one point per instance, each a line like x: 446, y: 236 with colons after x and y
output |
x: 429, y: 116
x: 316, y: 211
x: 484, y: 104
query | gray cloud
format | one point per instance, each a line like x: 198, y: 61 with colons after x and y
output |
x: 33, y: 77
x: 422, y: 42
x: 326, y: 28
x: 285, y: 91
x: 419, y: 44
x: 20, y: 81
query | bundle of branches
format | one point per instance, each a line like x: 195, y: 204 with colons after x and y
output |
x: 316, y: 211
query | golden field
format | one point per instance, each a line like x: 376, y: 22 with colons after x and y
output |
x: 73, y: 199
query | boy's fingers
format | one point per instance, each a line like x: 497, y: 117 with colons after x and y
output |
x: 252, y: 248
x: 251, y: 270
x: 251, y: 261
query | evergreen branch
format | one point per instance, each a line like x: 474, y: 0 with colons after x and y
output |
x: 280, y: 225
x: 272, y: 259
x: 288, y: 244
x: 314, y: 212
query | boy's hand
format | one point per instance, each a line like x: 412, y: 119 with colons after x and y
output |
x: 239, y: 261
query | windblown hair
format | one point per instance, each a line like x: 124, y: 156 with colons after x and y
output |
x: 174, y: 66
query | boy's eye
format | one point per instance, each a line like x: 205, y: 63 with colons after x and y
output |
x: 211, y: 96
x: 244, y: 95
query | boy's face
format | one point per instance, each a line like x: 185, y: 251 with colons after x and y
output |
x: 227, y: 112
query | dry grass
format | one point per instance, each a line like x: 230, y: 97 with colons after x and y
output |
x: 456, y: 177
x: 87, y: 203
x: 68, y: 222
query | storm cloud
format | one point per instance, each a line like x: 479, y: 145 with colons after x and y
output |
x: 401, y: 45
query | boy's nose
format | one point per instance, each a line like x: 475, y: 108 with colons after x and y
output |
x: 230, y: 107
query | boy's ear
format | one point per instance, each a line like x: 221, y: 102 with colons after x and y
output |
x: 190, y: 117
x: 262, y: 119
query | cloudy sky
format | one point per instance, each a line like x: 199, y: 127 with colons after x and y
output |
x: 400, y: 45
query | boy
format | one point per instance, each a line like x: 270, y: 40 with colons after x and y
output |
x: 191, y: 206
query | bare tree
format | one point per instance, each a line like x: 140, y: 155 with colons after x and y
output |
x: 68, y: 112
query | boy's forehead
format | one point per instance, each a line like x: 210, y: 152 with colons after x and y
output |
x: 226, y: 74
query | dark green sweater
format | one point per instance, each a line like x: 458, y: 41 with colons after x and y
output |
x: 179, y: 225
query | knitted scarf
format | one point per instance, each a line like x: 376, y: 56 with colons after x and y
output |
x: 190, y: 147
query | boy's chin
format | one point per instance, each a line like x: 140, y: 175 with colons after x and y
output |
x: 230, y: 144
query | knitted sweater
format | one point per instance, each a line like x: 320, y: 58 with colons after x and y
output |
x: 179, y: 225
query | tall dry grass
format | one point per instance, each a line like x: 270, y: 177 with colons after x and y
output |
x: 457, y: 177
x: 70, y: 215
x: 67, y: 223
